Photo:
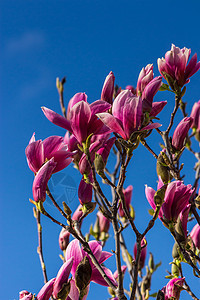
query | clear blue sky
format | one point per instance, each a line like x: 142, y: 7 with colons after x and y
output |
x: 84, y: 41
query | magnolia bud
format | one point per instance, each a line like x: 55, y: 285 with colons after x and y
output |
x: 151, y: 263
x: 175, y: 252
x: 175, y: 268
x: 64, y: 239
x: 159, y: 196
x: 83, y: 275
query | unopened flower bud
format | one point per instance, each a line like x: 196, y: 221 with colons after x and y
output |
x: 88, y: 208
x: 64, y: 239
x: 83, y: 274
x: 175, y: 252
x: 104, y: 223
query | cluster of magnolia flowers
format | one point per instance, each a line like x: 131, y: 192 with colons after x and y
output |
x: 128, y: 114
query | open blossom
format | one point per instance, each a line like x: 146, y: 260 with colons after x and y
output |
x: 74, y: 250
x: 38, y: 152
x: 195, y: 235
x: 127, y: 195
x: 82, y: 120
x: 175, y: 65
x: 173, y: 288
x: 177, y: 197
x: 180, y: 133
x: 127, y: 115
x: 25, y: 295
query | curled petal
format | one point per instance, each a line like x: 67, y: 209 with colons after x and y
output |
x: 74, y: 250
x: 112, y: 123
x: 56, y: 119
x: 97, y: 277
x: 41, y: 179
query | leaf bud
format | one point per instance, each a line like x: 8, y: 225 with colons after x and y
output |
x: 99, y: 164
x: 151, y: 263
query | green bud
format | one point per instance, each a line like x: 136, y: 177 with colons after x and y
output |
x: 66, y: 208
x: 151, y: 263
x: 197, y: 201
x: 99, y: 164
x: 132, y: 212
x: 82, y: 275
x: 162, y: 169
x: 175, y: 251
x: 170, y: 80
x: 159, y: 196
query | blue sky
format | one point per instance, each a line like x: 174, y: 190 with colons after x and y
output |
x: 84, y: 41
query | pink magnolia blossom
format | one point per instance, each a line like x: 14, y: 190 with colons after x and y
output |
x: 41, y: 180
x: 104, y: 223
x: 149, y: 92
x: 145, y: 76
x: 127, y: 195
x: 46, y: 291
x: 142, y: 255
x: 75, y: 99
x: 74, y: 250
x: 180, y: 133
x: 82, y: 120
x: 126, y: 115
x: 62, y: 277
x: 108, y: 88
x: 157, y: 107
x: 195, y: 235
x: 37, y: 152
x: 173, y: 288
x: 177, y: 197
x: 63, y: 239
x: 175, y: 65
x: 183, y: 216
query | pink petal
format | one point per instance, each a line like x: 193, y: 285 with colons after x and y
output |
x: 35, y: 155
x: 151, y: 126
x: 41, y: 179
x: 149, y: 192
x: 112, y: 123
x: 74, y: 293
x: 56, y: 119
x: 99, y: 106
x: 74, y: 250
x: 51, y: 145
x: 80, y: 115
x: 96, y: 277
x: 46, y: 290
x: 104, y: 256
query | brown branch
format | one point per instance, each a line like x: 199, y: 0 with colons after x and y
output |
x: 40, y: 248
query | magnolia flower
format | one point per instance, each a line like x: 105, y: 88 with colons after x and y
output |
x: 175, y: 65
x: 195, y: 235
x: 82, y: 120
x: 181, y: 225
x: 78, y: 213
x: 74, y: 292
x: 74, y: 250
x: 180, y: 133
x: 41, y: 180
x: 126, y: 115
x: 173, y: 288
x: 108, y: 88
x: 177, y: 197
x: 38, y: 152
x: 127, y: 196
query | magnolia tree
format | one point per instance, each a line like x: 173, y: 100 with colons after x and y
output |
x: 119, y: 122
